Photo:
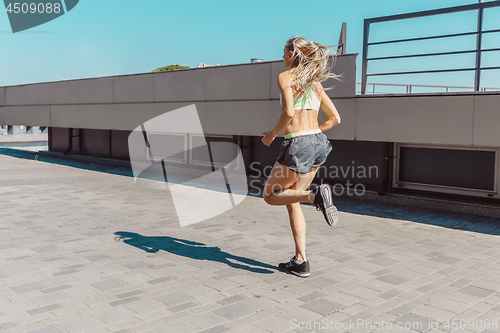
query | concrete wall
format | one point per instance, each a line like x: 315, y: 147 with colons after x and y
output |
x: 466, y: 119
x: 246, y: 96
x: 244, y: 100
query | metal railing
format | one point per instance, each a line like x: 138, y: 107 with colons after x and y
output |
x: 478, y: 50
x: 409, y: 87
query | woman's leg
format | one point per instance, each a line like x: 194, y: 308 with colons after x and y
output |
x: 297, y: 220
x: 278, y: 191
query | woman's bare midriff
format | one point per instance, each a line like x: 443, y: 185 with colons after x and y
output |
x: 303, y: 120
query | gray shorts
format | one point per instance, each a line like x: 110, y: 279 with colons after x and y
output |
x: 303, y: 152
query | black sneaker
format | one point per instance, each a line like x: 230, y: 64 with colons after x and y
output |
x: 323, y: 200
x: 302, y: 270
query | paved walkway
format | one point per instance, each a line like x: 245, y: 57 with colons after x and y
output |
x: 86, y: 250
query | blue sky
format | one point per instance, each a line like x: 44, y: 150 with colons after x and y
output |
x: 114, y: 37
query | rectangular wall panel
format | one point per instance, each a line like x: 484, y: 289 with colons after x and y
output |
x: 425, y: 119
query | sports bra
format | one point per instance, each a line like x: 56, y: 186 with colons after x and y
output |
x: 308, y: 101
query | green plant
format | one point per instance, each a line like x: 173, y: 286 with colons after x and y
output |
x: 169, y: 68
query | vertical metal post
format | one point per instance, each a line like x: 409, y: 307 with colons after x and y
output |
x: 366, y: 32
x: 110, y: 143
x: 341, y: 48
x: 479, y: 41
x: 50, y: 137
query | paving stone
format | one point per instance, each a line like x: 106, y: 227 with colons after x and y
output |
x: 160, y: 280
x: 414, y: 322
x: 44, y: 309
x: 384, y: 261
x: 333, y: 254
x: 390, y: 294
x: 124, y: 301
x: 392, y: 278
x: 43, y: 249
x: 28, y: 287
x: 475, y: 291
x: 65, y: 272
x: 49, y: 329
x: 6, y: 326
x: 143, y: 306
x: 80, y: 324
x: 217, y: 329
x: 322, y: 306
x: 173, y: 299
x: 446, y: 259
x: 115, y: 314
x: 54, y: 289
x: 206, y: 320
x: 402, y: 310
x: 233, y: 311
x: 130, y: 294
x: 320, y: 282
x: 108, y: 284
x: 230, y: 300
x: 312, y: 296
x: 177, y: 326
x: 183, y: 306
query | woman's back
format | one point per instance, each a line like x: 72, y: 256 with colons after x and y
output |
x: 306, y: 106
x: 309, y: 100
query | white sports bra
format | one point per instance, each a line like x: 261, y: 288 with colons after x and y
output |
x: 308, y: 101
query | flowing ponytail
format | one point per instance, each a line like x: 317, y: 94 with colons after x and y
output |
x: 310, y: 63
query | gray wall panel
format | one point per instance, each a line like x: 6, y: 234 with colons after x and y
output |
x: 162, y: 108
x: 2, y: 96
x: 38, y: 115
x: 243, y: 82
x: 95, y: 91
x: 435, y: 119
x: 182, y: 85
x: 15, y: 95
x: 96, y: 116
x: 14, y: 115
x: 65, y: 92
x: 346, y: 130
x: 344, y: 86
x: 37, y: 93
x: 129, y: 116
x: 64, y: 115
x: 133, y: 88
x: 487, y: 120
x: 240, y: 118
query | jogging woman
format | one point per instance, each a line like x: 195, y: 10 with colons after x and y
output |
x: 305, y: 147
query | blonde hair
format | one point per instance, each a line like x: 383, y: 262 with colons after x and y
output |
x: 310, y: 63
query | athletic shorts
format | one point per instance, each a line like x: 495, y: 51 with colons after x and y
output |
x: 303, y: 151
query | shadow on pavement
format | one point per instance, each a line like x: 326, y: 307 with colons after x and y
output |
x: 436, y: 217
x: 192, y: 250
x: 86, y: 165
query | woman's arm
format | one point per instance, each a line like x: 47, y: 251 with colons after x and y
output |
x: 332, y: 115
x: 287, y: 111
